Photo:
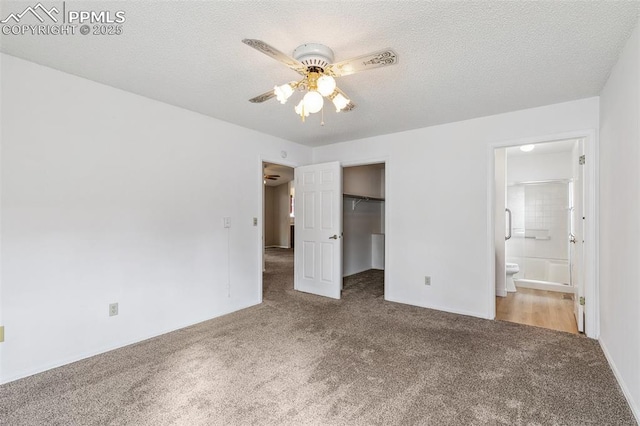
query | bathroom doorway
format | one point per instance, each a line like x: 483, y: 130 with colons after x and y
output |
x: 539, y: 192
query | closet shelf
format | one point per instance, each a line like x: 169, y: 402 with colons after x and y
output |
x: 357, y: 199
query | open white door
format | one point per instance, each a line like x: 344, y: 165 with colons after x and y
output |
x: 576, y: 237
x: 318, y: 229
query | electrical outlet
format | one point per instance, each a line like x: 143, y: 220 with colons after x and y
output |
x: 255, y: 221
x: 226, y: 221
x: 113, y: 309
x: 427, y: 280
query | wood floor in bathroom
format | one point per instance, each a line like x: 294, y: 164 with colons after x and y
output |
x: 548, y: 309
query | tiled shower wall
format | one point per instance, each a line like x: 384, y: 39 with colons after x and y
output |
x: 540, y: 236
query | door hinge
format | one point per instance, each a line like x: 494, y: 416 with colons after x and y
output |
x: 582, y: 160
x: 582, y: 300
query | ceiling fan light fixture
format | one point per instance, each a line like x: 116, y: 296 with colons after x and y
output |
x: 339, y: 101
x: 301, y: 110
x: 326, y: 85
x: 284, y: 92
x: 315, y: 63
x: 313, y: 101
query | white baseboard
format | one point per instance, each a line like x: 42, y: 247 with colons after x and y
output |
x: 438, y: 308
x: 625, y: 390
x: 282, y: 247
x: 89, y: 354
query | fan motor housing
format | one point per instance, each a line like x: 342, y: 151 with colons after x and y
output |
x: 314, y: 55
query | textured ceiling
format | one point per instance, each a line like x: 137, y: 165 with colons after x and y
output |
x: 285, y: 173
x: 457, y: 60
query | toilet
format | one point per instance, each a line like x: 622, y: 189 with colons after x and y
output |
x: 512, y: 269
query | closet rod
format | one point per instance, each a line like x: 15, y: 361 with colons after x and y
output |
x: 362, y: 197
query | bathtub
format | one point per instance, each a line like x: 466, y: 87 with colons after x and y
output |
x: 543, y: 274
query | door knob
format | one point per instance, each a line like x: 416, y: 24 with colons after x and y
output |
x: 334, y: 237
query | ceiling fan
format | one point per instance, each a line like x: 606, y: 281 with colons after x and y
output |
x: 314, y: 62
x: 271, y: 177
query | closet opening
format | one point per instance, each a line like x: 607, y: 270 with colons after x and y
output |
x: 363, y: 224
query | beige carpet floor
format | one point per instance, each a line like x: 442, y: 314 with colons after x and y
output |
x: 299, y: 359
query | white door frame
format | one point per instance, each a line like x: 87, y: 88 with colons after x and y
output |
x: 260, y: 179
x: 591, y: 247
x: 387, y: 252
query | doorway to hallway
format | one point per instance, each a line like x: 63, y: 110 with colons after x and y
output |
x: 278, y: 223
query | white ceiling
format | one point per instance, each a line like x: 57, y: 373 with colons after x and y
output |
x: 457, y: 60
x: 285, y: 173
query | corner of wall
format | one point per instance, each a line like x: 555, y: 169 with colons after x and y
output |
x: 619, y: 215
x: 635, y: 409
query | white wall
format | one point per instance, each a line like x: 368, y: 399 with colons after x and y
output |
x: 277, y: 218
x: 365, y: 180
x: 535, y: 167
x: 620, y: 220
x: 269, y: 215
x: 436, y: 204
x: 111, y: 197
x: 283, y: 218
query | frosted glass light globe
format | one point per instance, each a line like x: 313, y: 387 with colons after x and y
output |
x: 340, y: 102
x: 326, y: 85
x: 313, y: 102
x: 283, y: 92
x: 301, y: 110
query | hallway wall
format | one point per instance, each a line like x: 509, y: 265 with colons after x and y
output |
x: 277, y: 218
x: 620, y: 220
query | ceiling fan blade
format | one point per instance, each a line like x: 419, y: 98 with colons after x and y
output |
x: 381, y: 58
x: 276, y: 54
x: 264, y: 97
